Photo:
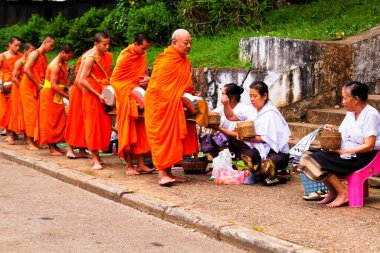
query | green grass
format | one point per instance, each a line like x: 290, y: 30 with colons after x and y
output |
x: 318, y: 20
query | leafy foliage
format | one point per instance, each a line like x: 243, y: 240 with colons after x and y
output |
x: 58, y: 27
x: 33, y: 30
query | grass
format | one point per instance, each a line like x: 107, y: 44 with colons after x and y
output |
x: 318, y: 20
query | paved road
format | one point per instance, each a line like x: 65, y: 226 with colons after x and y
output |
x: 41, y: 214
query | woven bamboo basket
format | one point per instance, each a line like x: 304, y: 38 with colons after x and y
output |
x: 194, y: 165
x: 330, y: 140
x: 245, y: 129
x: 214, y: 118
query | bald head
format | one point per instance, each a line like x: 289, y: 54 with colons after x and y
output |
x: 181, y: 41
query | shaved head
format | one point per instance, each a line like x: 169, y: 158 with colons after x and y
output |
x: 181, y: 41
x: 48, y: 38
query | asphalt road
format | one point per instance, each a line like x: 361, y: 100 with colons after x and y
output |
x: 41, y: 214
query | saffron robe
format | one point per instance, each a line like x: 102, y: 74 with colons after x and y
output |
x: 97, y: 122
x: 7, y: 66
x: 75, y: 132
x: 125, y: 77
x: 51, y: 117
x: 29, y: 94
x: 168, y: 134
x: 16, y: 118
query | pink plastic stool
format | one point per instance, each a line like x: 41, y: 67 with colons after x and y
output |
x: 357, y: 182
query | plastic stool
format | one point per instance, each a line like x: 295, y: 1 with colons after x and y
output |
x: 357, y: 182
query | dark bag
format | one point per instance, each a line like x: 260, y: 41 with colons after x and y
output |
x: 207, y: 144
x: 221, y: 140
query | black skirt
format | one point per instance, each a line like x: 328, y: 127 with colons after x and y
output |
x: 332, y: 162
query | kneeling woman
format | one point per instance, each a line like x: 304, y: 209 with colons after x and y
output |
x: 268, y: 151
x: 360, y: 142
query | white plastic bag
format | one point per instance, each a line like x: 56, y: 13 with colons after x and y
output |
x: 222, y: 161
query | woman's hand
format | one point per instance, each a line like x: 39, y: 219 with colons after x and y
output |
x: 225, y: 100
x: 328, y: 127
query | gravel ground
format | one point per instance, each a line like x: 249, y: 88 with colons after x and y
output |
x: 278, y: 211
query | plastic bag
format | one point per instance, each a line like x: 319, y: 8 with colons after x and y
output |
x: 226, y: 176
x: 222, y: 161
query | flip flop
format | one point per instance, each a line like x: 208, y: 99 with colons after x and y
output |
x: 314, y: 196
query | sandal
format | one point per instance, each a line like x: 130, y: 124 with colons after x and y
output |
x: 269, y: 168
x: 314, y: 196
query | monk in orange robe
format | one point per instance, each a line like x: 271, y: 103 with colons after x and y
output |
x: 130, y: 72
x: 93, y: 78
x: 16, y: 119
x: 168, y: 134
x: 31, y: 83
x: 75, y: 132
x: 7, y: 63
x: 51, y: 117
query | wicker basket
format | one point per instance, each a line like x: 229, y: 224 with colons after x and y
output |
x: 330, y: 140
x: 194, y: 166
x: 245, y: 129
x: 214, y: 118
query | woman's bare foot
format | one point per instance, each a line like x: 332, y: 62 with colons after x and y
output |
x: 340, y: 200
x: 330, y: 197
x: 166, y: 181
x: 130, y: 171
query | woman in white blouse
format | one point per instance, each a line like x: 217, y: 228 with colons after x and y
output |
x: 360, y: 142
x: 268, y: 151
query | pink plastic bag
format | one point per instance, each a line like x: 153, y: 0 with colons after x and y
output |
x: 228, y: 176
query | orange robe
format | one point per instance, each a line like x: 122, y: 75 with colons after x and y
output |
x: 97, y: 122
x: 29, y: 94
x: 125, y: 76
x: 169, y: 136
x: 51, y: 116
x: 16, y: 119
x: 7, y: 67
x: 75, y: 132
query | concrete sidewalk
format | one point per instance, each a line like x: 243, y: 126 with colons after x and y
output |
x: 255, y: 217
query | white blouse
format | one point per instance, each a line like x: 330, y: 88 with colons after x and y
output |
x: 224, y: 122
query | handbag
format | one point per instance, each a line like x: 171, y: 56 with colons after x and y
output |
x: 221, y: 140
x: 207, y: 143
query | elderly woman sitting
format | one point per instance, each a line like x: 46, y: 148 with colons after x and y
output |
x: 360, y: 142
x: 267, y: 152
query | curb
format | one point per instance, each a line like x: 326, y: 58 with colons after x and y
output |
x: 224, y: 231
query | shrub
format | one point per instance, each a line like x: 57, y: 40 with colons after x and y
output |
x: 58, y: 27
x: 116, y: 25
x: 154, y: 19
x: 82, y: 30
x: 33, y: 30
x: 7, y: 33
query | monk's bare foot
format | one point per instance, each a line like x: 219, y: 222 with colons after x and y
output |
x: 130, y: 171
x: 102, y: 162
x: 340, y: 200
x: 31, y: 147
x: 4, y: 132
x: 41, y: 146
x: 11, y: 140
x: 330, y: 197
x: 166, y: 181
x: 70, y: 154
x: 97, y: 166
x: 55, y: 153
x: 179, y: 179
x: 83, y: 154
x: 143, y: 169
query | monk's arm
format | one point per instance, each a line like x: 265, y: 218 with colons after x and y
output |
x: 54, y: 82
x: 28, y: 68
x: 82, y: 81
x: 16, y: 73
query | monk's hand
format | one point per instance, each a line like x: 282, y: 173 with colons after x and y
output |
x: 224, y: 100
x: 143, y: 81
x: 102, y: 99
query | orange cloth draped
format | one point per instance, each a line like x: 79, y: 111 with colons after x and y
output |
x: 166, y: 127
x: 29, y: 94
x: 51, y: 117
x: 75, y: 132
x: 125, y: 76
x: 7, y: 66
x: 16, y: 119
x: 97, y: 123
